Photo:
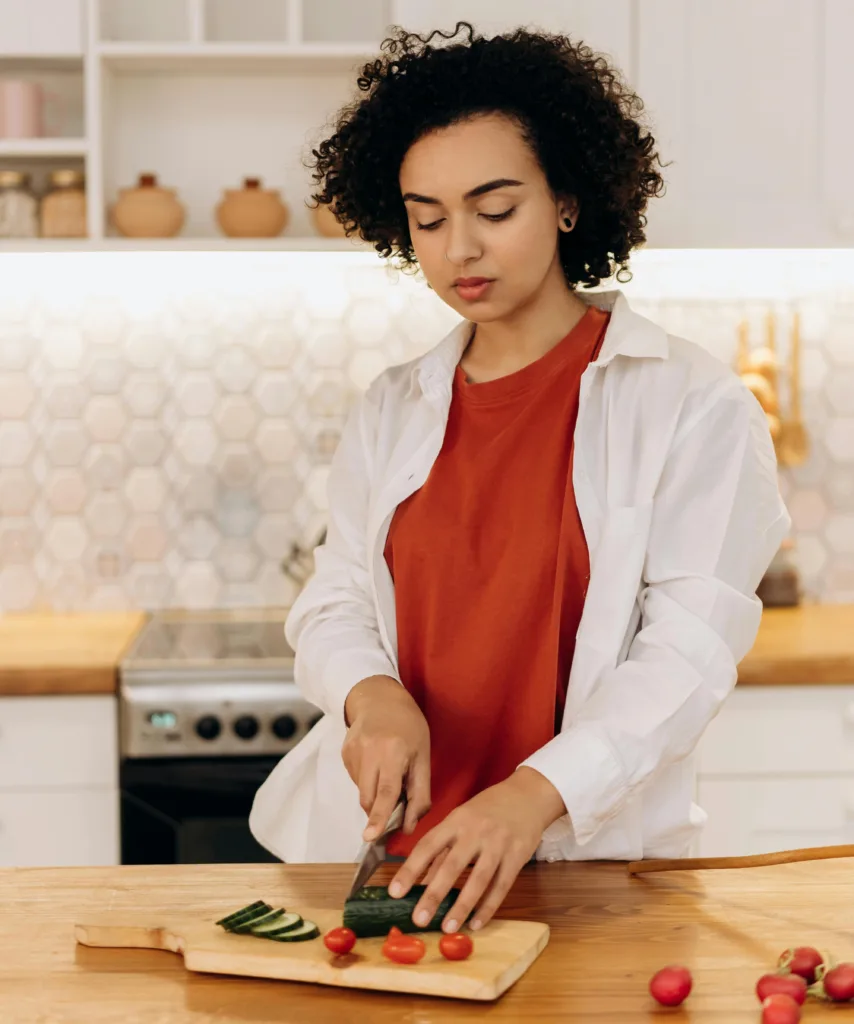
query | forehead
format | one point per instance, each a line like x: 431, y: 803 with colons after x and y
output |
x: 447, y: 162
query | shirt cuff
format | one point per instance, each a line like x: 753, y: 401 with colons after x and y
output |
x: 582, y: 768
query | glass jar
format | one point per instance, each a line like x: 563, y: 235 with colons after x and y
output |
x: 63, y: 209
x: 19, y: 208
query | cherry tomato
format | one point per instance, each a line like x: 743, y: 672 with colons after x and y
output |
x: 671, y: 985
x: 780, y: 1009
x: 802, y: 960
x: 403, y: 949
x: 786, y: 984
x: 839, y: 983
x: 339, y: 940
x: 456, y: 946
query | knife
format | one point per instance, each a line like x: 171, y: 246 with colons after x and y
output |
x: 373, y: 853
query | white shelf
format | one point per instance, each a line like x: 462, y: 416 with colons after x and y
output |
x: 28, y: 148
x: 284, y: 244
x: 243, y: 57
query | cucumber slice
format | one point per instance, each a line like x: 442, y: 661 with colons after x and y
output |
x: 307, y: 930
x: 278, y: 926
x: 250, y: 915
x: 249, y: 924
x: 372, y: 912
x: 253, y: 908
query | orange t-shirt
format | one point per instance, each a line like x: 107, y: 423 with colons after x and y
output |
x: 490, y: 568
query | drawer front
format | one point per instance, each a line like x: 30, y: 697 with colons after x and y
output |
x: 765, y: 815
x: 59, y: 828
x: 773, y: 730
x: 58, y: 742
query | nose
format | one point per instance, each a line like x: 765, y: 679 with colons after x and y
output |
x: 463, y: 244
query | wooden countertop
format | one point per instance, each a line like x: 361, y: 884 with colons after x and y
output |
x: 64, y: 654
x: 812, y: 644
x: 609, y: 934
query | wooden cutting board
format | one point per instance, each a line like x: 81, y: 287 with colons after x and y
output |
x: 503, y: 951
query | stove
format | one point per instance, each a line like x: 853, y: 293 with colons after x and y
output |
x: 207, y: 707
x: 211, y: 684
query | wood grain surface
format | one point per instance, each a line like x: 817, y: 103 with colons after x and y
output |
x: 64, y: 654
x: 504, y: 951
x: 812, y: 644
x: 609, y: 933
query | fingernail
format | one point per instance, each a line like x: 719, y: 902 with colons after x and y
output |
x: 476, y: 924
x: 395, y: 890
x: 451, y: 926
x: 422, y: 918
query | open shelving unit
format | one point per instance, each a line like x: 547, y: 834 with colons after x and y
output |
x: 202, y: 93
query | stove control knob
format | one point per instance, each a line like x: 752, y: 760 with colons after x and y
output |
x: 246, y: 726
x: 284, y: 726
x: 208, y: 727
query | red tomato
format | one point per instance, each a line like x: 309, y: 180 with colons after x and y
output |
x: 456, y: 946
x: 802, y: 960
x: 671, y: 985
x: 403, y: 949
x: 839, y: 983
x: 792, y: 985
x: 780, y: 1009
x: 339, y: 940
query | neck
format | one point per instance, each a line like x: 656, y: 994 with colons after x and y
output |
x: 504, y: 346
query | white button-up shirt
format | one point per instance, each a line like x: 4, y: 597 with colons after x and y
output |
x: 676, y: 485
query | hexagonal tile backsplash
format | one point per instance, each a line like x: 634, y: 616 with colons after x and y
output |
x: 166, y: 422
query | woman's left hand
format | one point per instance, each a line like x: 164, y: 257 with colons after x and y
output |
x: 498, y: 831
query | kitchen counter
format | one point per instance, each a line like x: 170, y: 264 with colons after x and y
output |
x: 609, y: 934
x: 812, y: 644
x: 64, y: 654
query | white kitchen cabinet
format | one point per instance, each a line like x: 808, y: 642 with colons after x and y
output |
x: 59, y: 794
x: 775, y: 770
x: 735, y: 93
x: 52, y: 28
x: 837, y: 152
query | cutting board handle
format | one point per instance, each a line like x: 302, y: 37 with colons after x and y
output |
x: 121, y: 936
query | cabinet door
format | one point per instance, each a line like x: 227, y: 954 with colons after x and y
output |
x: 765, y: 815
x: 59, y: 828
x: 733, y: 89
x: 604, y: 27
x: 837, y: 157
x: 43, y: 27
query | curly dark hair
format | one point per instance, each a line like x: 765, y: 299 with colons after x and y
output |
x: 574, y: 109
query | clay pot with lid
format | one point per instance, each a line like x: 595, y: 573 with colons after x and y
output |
x: 252, y: 211
x: 326, y: 223
x: 148, y: 210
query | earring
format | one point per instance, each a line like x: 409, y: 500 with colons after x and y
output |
x: 568, y: 222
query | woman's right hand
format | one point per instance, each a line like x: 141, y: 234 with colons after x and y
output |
x: 387, y: 752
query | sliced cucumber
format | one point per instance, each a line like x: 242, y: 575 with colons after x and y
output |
x: 278, y: 926
x: 249, y: 916
x: 252, y: 909
x: 249, y: 924
x: 307, y: 930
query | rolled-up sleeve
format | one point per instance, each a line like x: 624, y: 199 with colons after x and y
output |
x: 717, y: 521
x: 332, y: 625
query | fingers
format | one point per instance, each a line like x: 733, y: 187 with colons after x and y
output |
x: 416, y: 864
x: 388, y: 789
x: 502, y: 882
x: 434, y: 867
x: 488, y: 865
x: 417, y: 793
x: 455, y: 863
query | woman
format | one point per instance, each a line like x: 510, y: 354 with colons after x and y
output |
x: 546, y: 535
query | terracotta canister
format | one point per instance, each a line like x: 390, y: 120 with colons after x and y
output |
x: 252, y: 212
x: 148, y: 211
x: 63, y: 209
x: 325, y: 222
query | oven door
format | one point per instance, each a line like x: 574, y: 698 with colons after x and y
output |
x: 191, y: 810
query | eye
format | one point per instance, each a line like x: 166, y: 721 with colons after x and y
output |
x: 499, y: 216
x: 431, y: 226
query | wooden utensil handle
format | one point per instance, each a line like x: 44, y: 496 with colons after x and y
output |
x: 760, y: 860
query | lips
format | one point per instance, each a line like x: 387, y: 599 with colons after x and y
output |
x: 471, y: 282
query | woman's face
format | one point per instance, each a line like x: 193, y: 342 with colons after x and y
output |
x: 479, y: 207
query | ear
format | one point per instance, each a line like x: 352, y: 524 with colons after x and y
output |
x: 567, y: 213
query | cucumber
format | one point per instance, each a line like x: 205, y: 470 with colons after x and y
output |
x: 246, y: 912
x: 278, y: 926
x: 373, y: 912
x: 248, y: 924
x: 307, y: 930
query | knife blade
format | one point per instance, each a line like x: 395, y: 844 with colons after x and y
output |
x: 373, y: 853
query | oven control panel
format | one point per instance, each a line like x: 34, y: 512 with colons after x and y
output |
x: 160, y: 720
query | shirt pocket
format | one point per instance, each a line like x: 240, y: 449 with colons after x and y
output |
x: 616, y: 577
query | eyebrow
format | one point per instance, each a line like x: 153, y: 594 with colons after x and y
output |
x: 480, y: 190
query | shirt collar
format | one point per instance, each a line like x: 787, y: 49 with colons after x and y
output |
x: 627, y: 334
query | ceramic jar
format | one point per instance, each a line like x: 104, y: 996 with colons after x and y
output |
x: 252, y: 212
x: 19, y: 208
x: 325, y: 223
x: 148, y: 211
x: 63, y: 209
